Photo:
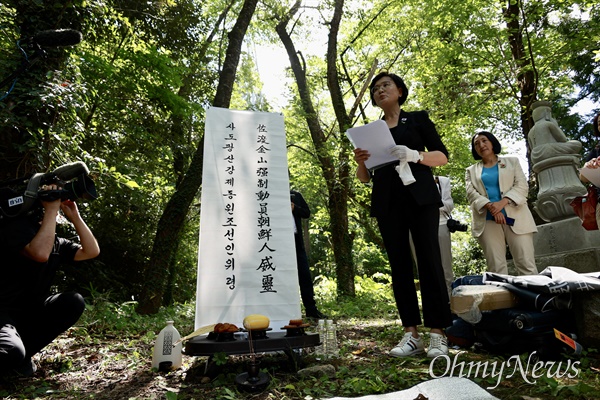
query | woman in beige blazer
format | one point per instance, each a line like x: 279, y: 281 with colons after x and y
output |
x: 497, y: 191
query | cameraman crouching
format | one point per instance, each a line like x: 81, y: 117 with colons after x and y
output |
x: 31, y: 318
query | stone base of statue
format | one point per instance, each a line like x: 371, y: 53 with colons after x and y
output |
x: 558, y: 184
x: 565, y: 244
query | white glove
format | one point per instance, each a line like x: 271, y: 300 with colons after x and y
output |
x: 405, y: 173
x: 404, y: 154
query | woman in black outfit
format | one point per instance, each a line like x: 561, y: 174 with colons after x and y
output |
x: 413, y: 208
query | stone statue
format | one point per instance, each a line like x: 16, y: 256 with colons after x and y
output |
x: 555, y: 159
x: 546, y: 139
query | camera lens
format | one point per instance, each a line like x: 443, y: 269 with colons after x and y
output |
x: 81, y: 187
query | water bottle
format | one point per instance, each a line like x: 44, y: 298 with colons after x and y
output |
x: 331, y: 344
x: 166, y: 356
x: 320, y: 350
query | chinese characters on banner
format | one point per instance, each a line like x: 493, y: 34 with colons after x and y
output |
x: 246, y: 255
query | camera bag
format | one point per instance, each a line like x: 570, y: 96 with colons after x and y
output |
x: 513, y: 331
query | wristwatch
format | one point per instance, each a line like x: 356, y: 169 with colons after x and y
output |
x: 420, y: 158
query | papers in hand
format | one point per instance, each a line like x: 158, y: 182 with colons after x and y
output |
x: 592, y: 175
x: 377, y: 139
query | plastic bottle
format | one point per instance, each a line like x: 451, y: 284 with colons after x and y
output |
x: 331, y: 339
x: 166, y: 356
x: 320, y: 350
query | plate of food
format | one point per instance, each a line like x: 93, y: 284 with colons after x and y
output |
x: 223, y: 332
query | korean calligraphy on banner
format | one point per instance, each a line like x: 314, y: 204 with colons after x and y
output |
x: 246, y: 254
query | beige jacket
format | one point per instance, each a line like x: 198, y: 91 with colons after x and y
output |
x: 513, y: 185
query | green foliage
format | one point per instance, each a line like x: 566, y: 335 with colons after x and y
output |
x: 369, y: 258
x: 113, y: 103
x: 467, y: 256
x: 104, y: 317
x: 171, y: 395
x: 248, y: 92
x: 129, y: 101
x: 374, y: 298
x: 220, y: 358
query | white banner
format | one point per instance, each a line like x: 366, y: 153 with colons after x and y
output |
x: 246, y: 255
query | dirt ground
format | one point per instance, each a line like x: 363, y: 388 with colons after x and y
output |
x: 74, y: 367
x: 114, y: 369
x: 109, y: 369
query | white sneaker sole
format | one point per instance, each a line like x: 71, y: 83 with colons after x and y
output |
x: 437, y: 353
x: 412, y: 353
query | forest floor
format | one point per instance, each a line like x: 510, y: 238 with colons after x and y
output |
x: 80, y: 367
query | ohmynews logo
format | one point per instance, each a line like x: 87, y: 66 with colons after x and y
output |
x: 495, y: 369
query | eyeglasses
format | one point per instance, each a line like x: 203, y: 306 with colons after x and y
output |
x: 385, y: 86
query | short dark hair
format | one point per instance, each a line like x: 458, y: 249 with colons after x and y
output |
x: 397, y: 81
x: 496, y: 146
x: 595, y: 125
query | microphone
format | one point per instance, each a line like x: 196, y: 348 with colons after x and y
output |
x: 57, y: 38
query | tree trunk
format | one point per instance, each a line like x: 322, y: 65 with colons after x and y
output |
x: 337, y: 188
x: 526, y: 78
x: 173, y: 218
x: 338, y: 209
x: 526, y: 83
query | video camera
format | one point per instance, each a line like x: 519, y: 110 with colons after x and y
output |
x: 72, y: 180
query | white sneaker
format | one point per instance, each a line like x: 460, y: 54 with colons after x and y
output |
x: 437, y: 346
x: 408, y: 346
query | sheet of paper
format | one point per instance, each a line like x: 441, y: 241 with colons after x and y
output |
x: 593, y: 175
x: 377, y: 139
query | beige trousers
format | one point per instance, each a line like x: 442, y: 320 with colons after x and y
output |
x: 493, y: 241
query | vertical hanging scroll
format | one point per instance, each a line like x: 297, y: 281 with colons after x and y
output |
x: 246, y: 255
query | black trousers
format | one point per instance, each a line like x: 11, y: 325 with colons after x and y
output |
x: 422, y: 222
x: 307, y: 291
x: 25, y: 334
